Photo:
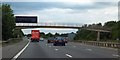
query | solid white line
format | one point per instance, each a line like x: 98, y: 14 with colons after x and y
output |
x: 102, y: 47
x: 16, y: 56
x: 115, y: 55
x: 68, y: 55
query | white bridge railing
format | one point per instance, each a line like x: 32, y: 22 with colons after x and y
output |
x: 49, y: 24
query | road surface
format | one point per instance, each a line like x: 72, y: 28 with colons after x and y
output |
x: 72, y: 50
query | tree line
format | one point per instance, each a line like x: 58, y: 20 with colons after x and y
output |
x: 43, y: 35
x: 112, y: 26
x: 8, y: 23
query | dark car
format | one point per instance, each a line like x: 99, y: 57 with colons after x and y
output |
x: 50, y: 40
x: 66, y: 39
x: 59, y: 41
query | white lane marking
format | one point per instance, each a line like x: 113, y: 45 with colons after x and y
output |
x: 102, y: 47
x: 50, y: 46
x: 69, y: 55
x: 89, y: 49
x: 115, y: 55
x: 81, y: 44
x: 56, y: 49
x: 16, y: 56
x: 74, y: 46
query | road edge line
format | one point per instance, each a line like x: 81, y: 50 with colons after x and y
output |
x: 18, y: 54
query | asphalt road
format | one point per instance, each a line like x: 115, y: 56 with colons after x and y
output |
x: 72, y: 50
x: 11, y: 50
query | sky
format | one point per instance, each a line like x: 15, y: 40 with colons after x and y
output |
x: 66, y: 11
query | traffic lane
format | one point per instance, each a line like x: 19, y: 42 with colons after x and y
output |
x: 71, y: 50
x: 33, y: 51
x: 107, y: 48
x: 41, y: 50
x: 103, y: 52
x: 97, y: 49
x: 52, y: 52
x: 77, y: 50
x: 10, y: 50
x: 81, y: 51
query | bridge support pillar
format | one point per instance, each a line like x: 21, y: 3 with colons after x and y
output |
x: 98, y: 36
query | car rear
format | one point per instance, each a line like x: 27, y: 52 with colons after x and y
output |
x: 59, y: 42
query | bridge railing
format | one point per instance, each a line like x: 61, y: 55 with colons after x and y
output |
x: 49, y: 24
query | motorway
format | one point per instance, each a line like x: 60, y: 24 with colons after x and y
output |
x: 72, y: 50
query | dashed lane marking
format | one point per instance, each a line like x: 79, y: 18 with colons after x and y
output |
x: 56, y: 49
x: 89, y: 49
x: 68, y: 55
x: 74, y: 46
x: 115, y: 55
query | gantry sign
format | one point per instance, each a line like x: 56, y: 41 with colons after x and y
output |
x: 26, y: 19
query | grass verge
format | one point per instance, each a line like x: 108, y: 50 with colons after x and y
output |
x: 11, y: 41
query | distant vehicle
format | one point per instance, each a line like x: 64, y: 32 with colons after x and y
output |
x: 41, y: 39
x: 50, y: 40
x: 59, y: 41
x: 35, y: 35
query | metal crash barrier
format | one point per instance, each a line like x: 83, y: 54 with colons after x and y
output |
x: 104, y: 44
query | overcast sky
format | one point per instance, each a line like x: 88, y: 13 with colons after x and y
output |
x: 67, y: 11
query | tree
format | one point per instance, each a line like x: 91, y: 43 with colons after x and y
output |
x: 0, y: 21
x: 64, y: 35
x: 57, y: 34
x: 118, y: 28
x: 42, y: 34
x: 114, y: 27
x: 110, y: 24
x: 49, y: 35
x: 8, y: 22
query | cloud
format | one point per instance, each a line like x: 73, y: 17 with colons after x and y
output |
x: 60, y: 0
x: 59, y: 11
x: 48, y: 5
x: 47, y: 30
x: 63, y: 12
x: 57, y: 15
